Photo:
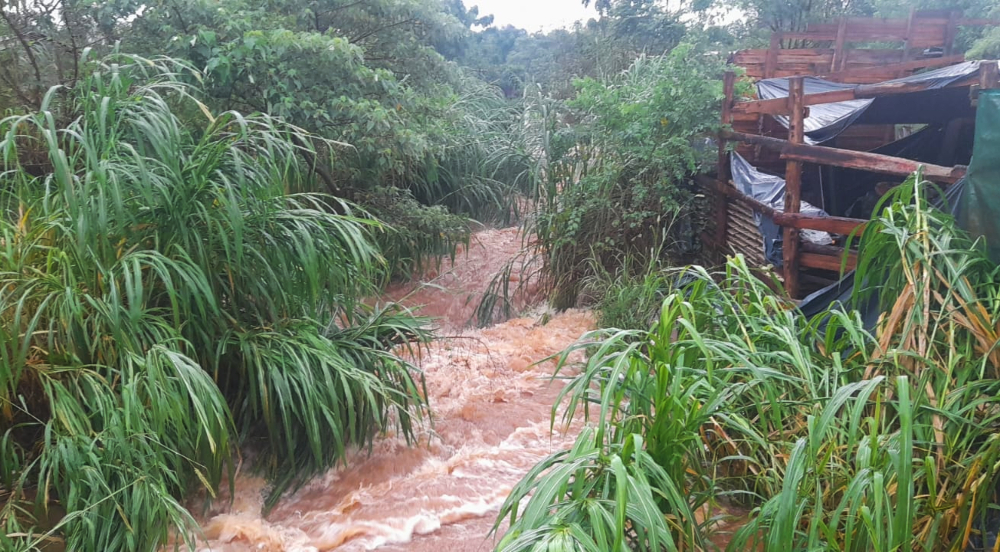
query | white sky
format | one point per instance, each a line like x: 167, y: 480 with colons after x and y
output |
x: 534, y: 15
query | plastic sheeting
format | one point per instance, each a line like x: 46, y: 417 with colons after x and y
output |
x: 974, y: 201
x: 840, y: 292
x: 826, y: 121
x: 977, y: 209
x: 770, y: 190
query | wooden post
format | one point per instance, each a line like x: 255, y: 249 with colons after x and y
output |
x: 951, y: 31
x: 989, y: 75
x: 771, y: 62
x: 722, y: 204
x: 849, y: 159
x: 837, y: 63
x: 793, y: 186
x: 728, y: 90
x: 909, y: 37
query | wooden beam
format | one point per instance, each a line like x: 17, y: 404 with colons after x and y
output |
x: 950, y: 32
x: 827, y: 262
x: 779, y: 106
x: 989, y: 75
x: 909, y: 35
x: 871, y: 162
x: 838, y: 61
x: 793, y: 186
x: 728, y: 89
x: 978, y: 22
x: 861, y: 160
x: 833, y: 225
x: 813, y: 36
x: 867, y: 91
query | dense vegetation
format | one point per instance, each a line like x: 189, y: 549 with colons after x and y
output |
x: 199, y: 200
x: 837, y: 438
x: 165, y: 299
x: 618, y: 182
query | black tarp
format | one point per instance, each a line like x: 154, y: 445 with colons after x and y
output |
x: 840, y: 292
x: 826, y: 121
x: 842, y: 187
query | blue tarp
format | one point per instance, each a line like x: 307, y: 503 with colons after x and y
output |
x: 770, y: 190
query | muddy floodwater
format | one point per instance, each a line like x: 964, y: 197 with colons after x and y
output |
x: 491, y: 418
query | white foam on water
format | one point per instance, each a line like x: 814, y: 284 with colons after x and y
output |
x: 492, y: 408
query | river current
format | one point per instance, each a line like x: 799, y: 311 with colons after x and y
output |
x: 491, y: 406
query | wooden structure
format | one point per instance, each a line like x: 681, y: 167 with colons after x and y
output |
x: 837, y: 52
x: 831, y: 50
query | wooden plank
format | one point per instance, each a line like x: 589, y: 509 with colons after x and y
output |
x: 951, y: 31
x: 793, y: 186
x: 890, y: 88
x: 871, y: 162
x: 746, y: 57
x: 935, y: 40
x: 924, y: 31
x: 865, y: 161
x: 978, y: 22
x: 907, y: 44
x: 989, y: 75
x: 896, y: 68
x: 923, y: 22
x: 779, y: 106
x: 813, y: 37
x: 787, y: 58
x: 833, y: 225
x: 748, y: 118
x: 873, y: 56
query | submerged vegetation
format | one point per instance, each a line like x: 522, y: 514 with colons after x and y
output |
x: 834, y: 437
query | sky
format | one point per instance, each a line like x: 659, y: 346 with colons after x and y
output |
x: 534, y: 15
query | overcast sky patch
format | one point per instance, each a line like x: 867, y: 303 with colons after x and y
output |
x: 534, y: 15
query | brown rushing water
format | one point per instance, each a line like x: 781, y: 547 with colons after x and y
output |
x: 491, y: 410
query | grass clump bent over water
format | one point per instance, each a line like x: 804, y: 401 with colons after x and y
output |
x: 163, y: 299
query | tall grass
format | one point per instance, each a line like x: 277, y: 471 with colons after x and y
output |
x: 163, y: 299
x: 832, y: 435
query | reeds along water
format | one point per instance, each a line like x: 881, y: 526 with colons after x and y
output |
x: 491, y: 418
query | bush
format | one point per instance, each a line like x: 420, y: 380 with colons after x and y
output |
x: 418, y: 232
x: 162, y: 299
x: 617, y: 183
